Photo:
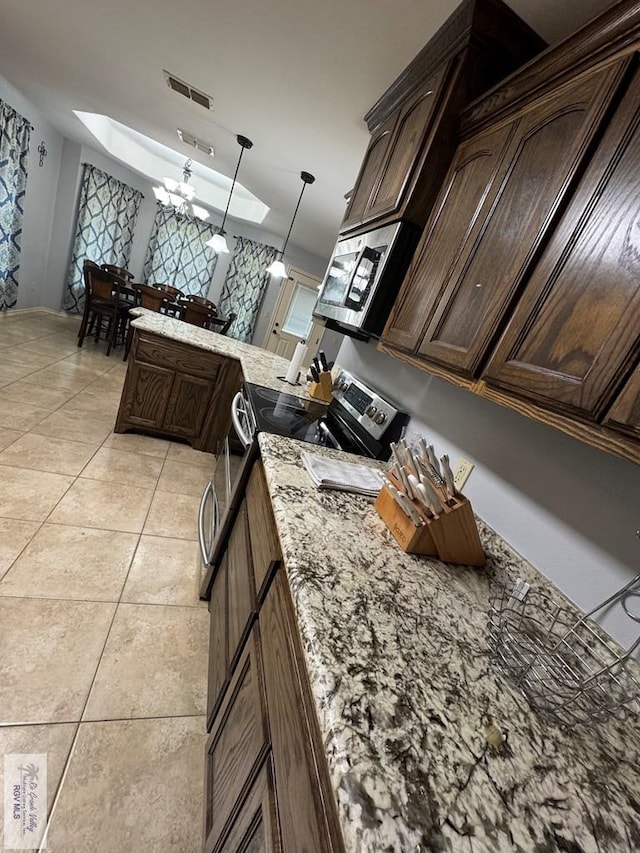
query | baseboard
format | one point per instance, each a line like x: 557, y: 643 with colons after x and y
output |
x: 13, y: 311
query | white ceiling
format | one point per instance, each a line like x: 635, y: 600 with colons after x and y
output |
x: 295, y: 76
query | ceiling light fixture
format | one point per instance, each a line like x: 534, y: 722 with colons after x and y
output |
x: 218, y: 242
x: 180, y: 194
x: 277, y: 268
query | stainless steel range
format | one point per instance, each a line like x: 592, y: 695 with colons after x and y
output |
x: 358, y: 420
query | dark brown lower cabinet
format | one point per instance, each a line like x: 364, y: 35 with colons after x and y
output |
x: 177, y: 390
x: 267, y: 782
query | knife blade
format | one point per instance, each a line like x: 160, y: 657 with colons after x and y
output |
x: 448, y: 477
x: 323, y: 361
x: 432, y: 496
x: 404, y: 503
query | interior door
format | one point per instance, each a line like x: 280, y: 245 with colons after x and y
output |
x: 291, y: 321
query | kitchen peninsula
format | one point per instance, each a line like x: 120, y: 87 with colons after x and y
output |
x: 390, y: 653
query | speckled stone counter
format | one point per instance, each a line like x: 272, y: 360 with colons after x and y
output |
x: 396, y: 651
x: 258, y: 365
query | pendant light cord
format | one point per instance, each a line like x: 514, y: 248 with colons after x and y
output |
x: 307, y: 178
x: 243, y: 142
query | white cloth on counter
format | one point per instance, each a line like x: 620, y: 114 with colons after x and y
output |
x: 342, y: 476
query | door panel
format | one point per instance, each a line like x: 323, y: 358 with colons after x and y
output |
x: 577, y: 329
x: 255, y: 829
x: 150, y: 388
x: 409, y: 139
x: 551, y: 142
x: 241, y: 589
x: 625, y: 412
x: 218, y: 652
x: 457, y: 211
x: 369, y: 173
x: 292, y: 321
x: 188, y: 405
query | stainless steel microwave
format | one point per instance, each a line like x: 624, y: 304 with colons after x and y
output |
x: 363, y: 279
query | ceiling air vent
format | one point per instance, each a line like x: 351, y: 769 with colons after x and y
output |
x: 190, y: 139
x: 188, y: 90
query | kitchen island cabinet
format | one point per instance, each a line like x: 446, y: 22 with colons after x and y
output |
x: 378, y: 693
x: 412, y: 125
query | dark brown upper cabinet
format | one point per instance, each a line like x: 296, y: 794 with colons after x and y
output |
x: 413, y: 125
x: 552, y: 139
x: 575, y: 334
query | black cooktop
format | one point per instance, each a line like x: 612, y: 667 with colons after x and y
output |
x: 285, y: 414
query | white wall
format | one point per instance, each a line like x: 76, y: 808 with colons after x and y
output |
x: 570, y: 509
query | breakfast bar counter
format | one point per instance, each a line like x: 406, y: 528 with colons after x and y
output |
x: 405, y: 693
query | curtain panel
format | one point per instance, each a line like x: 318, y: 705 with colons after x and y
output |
x: 15, y: 134
x: 107, y: 216
x: 245, y: 286
x: 177, y: 254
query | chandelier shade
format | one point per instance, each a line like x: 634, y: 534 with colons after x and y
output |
x: 180, y: 194
x: 277, y: 268
x: 219, y: 242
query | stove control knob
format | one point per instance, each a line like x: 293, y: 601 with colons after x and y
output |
x: 380, y: 418
x: 370, y: 411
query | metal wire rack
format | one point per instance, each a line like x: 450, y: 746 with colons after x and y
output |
x: 568, y: 668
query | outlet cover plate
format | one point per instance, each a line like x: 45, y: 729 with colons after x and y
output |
x: 462, y: 472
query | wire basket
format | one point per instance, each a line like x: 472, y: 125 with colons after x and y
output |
x: 568, y: 669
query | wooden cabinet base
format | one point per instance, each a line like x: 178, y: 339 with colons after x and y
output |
x: 174, y: 390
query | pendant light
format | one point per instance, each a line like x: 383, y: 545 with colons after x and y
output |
x: 218, y: 242
x: 277, y: 268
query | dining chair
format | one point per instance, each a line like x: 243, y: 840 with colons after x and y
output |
x: 200, y: 300
x: 221, y: 325
x: 120, y: 271
x: 150, y: 297
x: 169, y: 289
x: 107, y: 298
x: 199, y: 315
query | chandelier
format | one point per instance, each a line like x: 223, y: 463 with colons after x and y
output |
x: 180, y: 194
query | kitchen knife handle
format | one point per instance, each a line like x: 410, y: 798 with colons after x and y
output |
x: 323, y: 361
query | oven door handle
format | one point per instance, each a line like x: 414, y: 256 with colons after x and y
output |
x: 204, y: 551
x: 237, y: 411
x: 215, y: 521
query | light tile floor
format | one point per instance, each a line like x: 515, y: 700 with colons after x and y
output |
x: 103, y: 640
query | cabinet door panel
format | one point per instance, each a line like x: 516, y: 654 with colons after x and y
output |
x: 369, y: 173
x: 552, y: 140
x: 265, y: 545
x: 457, y: 211
x: 409, y: 138
x: 577, y: 327
x: 242, y: 597
x: 218, y: 652
x: 625, y: 412
x: 147, y: 395
x: 188, y: 405
x: 255, y: 829
x: 238, y: 743
x: 303, y: 805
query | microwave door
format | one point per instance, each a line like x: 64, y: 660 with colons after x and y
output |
x: 363, y: 278
x: 338, y: 277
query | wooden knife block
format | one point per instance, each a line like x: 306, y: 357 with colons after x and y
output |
x: 322, y: 390
x: 452, y: 536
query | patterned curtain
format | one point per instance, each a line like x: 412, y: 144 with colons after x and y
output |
x: 177, y: 254
x: 245, y: 285
x: 107, y: 215
x: 15, y: 133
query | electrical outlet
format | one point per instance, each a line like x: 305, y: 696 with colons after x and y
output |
x: 462, y: 472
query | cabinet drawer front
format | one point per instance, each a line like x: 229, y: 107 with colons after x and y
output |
x: 180, y: 357
x: 238, y: 743
x: 552, y: 140
x: 576, y: 331
x: 265, y: 545
x: 255, y: 828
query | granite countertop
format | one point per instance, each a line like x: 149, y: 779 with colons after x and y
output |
x: 258, y: 365
x: 396, y: 651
